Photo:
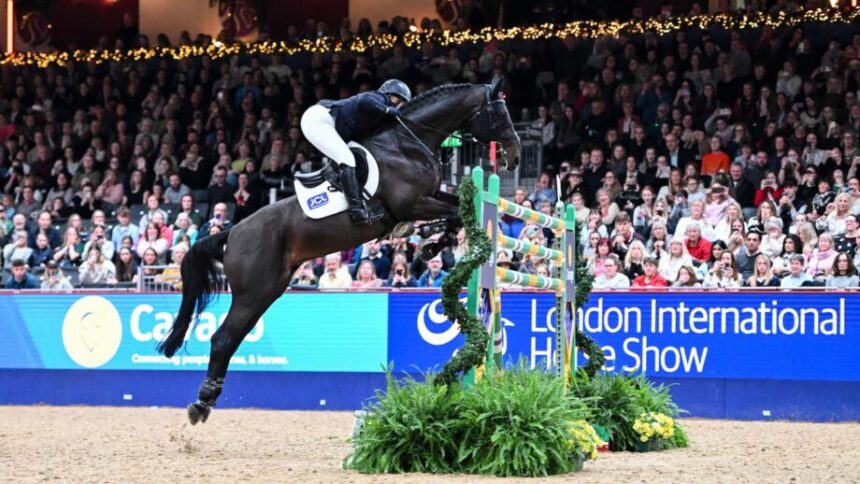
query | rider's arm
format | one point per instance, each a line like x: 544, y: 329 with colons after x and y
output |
x: 372, y: 103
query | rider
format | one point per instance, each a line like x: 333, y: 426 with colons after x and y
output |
x: 329, y: 124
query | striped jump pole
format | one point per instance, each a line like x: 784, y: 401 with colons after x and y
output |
x: 561, y: 257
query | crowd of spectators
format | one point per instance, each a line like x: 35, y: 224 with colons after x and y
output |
x: 713, y: 158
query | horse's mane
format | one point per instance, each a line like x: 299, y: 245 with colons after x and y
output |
x: 425, y: 97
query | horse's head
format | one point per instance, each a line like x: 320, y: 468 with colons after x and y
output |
x: 492, y: 122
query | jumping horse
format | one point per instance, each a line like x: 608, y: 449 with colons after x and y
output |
x: 260, y: 253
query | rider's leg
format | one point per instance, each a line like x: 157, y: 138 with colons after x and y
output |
x: 318, y: 127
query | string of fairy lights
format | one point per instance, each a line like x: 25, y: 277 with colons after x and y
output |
x: 586, y: 29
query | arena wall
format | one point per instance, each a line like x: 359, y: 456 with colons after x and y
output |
x: 763, y: 355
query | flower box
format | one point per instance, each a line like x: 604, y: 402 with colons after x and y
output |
x: 650, y: 446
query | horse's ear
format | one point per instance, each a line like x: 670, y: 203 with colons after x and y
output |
x: 496, y: 87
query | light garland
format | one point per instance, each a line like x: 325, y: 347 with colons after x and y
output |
x: 586, y: 29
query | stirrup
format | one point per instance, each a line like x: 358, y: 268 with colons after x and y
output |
x: 402, y: 230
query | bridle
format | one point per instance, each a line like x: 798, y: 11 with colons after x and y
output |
x: 488, y: 106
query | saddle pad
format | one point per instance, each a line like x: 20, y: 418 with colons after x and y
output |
x: 323, y: 201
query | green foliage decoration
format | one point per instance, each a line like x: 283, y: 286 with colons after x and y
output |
x: 474, y: 351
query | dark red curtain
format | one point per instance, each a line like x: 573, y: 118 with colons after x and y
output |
x: 82, y: 22
x: 281, y: 14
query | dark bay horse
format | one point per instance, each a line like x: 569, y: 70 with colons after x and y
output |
x: 260, y: 253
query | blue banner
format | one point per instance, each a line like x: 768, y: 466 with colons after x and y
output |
x: 422, y: 338
x: 300, y: 332
x: 712, y: 335
x: 787, y: 336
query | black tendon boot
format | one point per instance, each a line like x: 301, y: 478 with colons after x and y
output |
x: 209, y: 392
x: 359, y: 212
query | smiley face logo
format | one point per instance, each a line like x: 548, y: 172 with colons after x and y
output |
x: 92, y: 331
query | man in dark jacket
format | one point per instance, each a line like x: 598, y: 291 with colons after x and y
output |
x: 740, y: 188
x: 329, y: 125
x: 21, y: 277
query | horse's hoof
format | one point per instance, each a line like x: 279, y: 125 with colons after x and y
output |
x: 198, y: 412
x: 429, y: 251
x: 403, y: 229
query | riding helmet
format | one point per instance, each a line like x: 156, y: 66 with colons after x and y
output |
x: 396, y: 87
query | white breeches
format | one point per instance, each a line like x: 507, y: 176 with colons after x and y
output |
x: 318, y: 127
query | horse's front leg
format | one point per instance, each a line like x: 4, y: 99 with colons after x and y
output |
x: 443, y: 208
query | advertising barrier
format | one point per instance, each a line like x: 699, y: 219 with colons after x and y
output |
x: 311, y: 332
x: 740, y: 355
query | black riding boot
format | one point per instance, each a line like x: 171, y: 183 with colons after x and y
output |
x: 358, y: 210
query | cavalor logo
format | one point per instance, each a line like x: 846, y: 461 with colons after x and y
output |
x: 92, y: 331
x: 431, y: 311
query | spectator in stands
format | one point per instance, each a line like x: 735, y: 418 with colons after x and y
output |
x: 763, y: 275
x: 697, y: 216
x: 847, y: 241
x: 651, y: 276
x: 44, y: 225
x: 219, y: 219
x: 611, y: 278
x: 61, y: 189
x: 124, y: 229
x: 304, y: 278
x: 186, y: 206
x: 152, y: 239
x: 746, y: 254
x: 796, y: 277
x: 836, y: 215
x: 365, y: 276
x: 17, y: 249
x: 603, y: 250
x: 717, y: 160
x: 773, y: 239
x: 152, y: 205
x: 335, y: 276
x: 99, y: 238
x: 68, y: 254
x: 844, y: 273
x: 698, y: 248
x: 510, y: 225
x: 434, y: 275
x: 147, y: 262
x: 96, y: 269
x: 821, y: 260
x: 175, y: 190
x: 42, y: 253
x: 28, y: 206
x: 634, y: 260
x: 725, y: 274
x: 110, y: 192
x: 53, y: 278
x: 606, y: 207
x: 624, y: 235
x: 171, y: 274
x: 184, y: 232
x: 400, y: 276
x: 687, y: 278
x: 21, y: 277
x: 544, y: 190
x: 675, y: 257
x: 126, y: 266
x: 219, y: 191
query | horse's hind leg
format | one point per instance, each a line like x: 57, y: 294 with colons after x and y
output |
x: 245, y: 310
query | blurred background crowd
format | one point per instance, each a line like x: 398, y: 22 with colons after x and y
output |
x: 706, y: 158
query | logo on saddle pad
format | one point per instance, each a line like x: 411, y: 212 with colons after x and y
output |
x: 318, y: 199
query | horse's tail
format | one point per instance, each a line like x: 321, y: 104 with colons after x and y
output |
x: 199, y: 283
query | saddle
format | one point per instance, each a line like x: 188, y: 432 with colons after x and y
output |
x: 330, y: 172
x: 319, y: 193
